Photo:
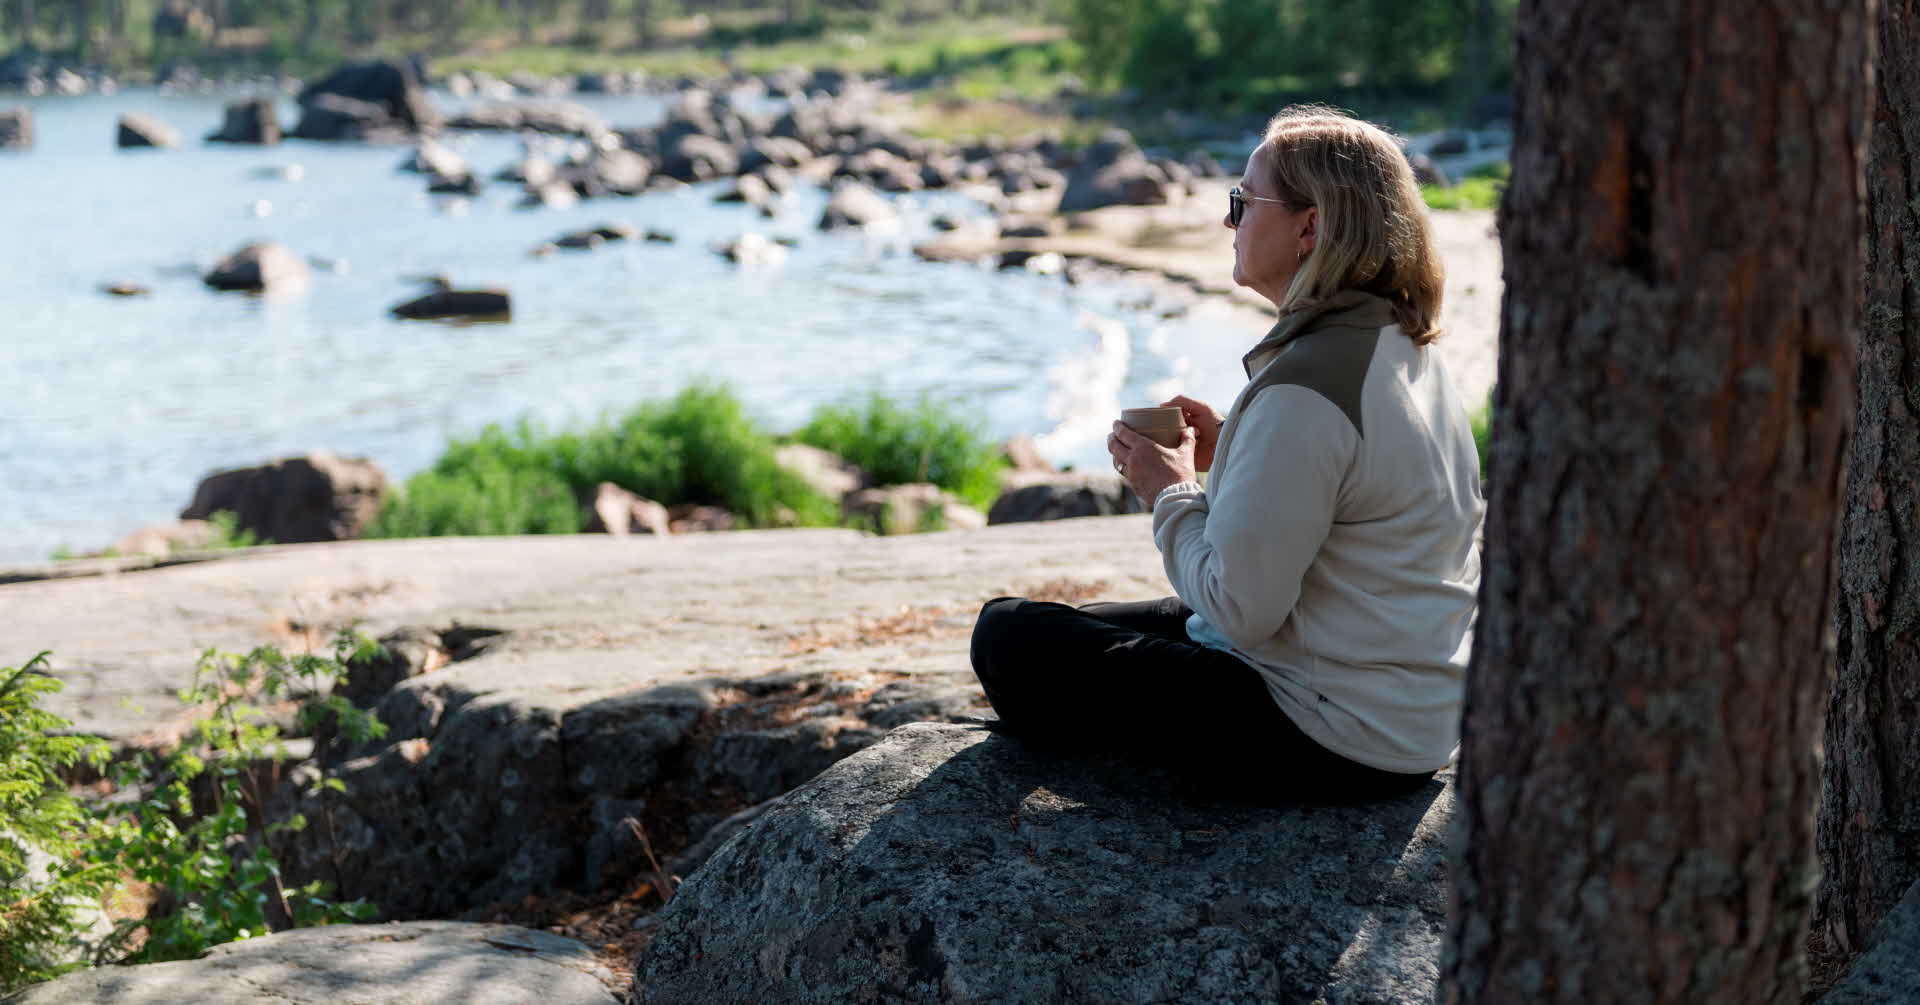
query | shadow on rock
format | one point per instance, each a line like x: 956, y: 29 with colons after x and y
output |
x: 951, y: 863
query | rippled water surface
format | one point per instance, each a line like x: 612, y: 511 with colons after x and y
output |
x: 114, y: 408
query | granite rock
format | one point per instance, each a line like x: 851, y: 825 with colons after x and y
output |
x: 950, y: 863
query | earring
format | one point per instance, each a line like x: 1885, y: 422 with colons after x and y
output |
x: 1301, y: 257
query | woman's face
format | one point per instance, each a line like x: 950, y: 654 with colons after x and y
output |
x: 1272, y: 238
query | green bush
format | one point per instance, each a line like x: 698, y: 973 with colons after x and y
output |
x: 1473, y: 192
x: 698, y: 447
x: 896, y: 444
x: 38, y: 913
x: 197, y: 828
x: 194, y: 827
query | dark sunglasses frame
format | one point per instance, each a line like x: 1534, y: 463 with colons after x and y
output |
x: 1237, y: 204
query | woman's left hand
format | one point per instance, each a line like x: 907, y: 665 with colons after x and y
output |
x: 1147, y: 466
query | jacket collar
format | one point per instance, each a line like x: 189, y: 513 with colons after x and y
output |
x: 1345, y: 309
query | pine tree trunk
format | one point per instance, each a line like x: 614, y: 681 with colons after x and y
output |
x: 643, y: 23
x: 1638, y: 771
x: 1869, y: 834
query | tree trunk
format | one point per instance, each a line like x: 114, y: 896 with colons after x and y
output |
x: 1638, y: 768
x: 26, y: 23
x: 1869, y: 835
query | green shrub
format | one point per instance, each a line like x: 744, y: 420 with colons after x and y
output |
x: 698, y: 447
x: 896, y: 445
x: 38, y: 914
x: 1472, y: 192
x: 213, y: 862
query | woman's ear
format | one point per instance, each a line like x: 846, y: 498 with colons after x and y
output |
x: 1310, y: 229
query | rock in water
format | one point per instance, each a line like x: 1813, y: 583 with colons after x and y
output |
x: 258, y: 268
x: 490, y: 305
x: 319, y: 497
x: 145, y: 131
x: 16, y: 128
x: 856, y: 205
x: 403, y: 964
x: 365, y: 100
x: 948, y: 863
x: 253, y: 122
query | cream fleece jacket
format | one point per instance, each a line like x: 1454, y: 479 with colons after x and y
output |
x: 1335, y: 548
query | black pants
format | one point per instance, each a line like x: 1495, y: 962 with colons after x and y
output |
x: 1126, y: 678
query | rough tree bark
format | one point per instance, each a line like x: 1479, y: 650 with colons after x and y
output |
x: 1638, y: 771
x: 1869, y: 833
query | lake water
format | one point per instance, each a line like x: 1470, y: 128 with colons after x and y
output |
x: 113, y: 409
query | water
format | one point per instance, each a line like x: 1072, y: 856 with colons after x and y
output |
x: 113, y: 409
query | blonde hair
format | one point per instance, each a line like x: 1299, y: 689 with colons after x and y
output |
x: 1373, y: 233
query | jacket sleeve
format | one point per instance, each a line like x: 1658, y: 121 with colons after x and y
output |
x: 1237, y: 556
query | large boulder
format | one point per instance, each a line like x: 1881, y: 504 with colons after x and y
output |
x: 681, y: 757
x: 381, y: 92
x: 1889, y: 971
x: 1132, y: 180
x: 145, y: 131
x: 319, y: 497
x: 253, y: 121
x: 412, y: 964
x: 338, y: 117
x: 949, y: 863
x: 1047, y: 496
x: 258, y: 268
x: 16, y: 128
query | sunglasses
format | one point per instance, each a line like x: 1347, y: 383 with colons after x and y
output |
x: 1237, y: 204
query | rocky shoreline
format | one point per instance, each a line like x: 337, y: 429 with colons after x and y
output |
x: 771, y: 714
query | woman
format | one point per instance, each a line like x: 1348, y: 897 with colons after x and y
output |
x: 1325, y: 577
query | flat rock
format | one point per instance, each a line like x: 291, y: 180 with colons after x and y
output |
x: 400, y: 964
x: 1889, y: 971
x: 951, y: 863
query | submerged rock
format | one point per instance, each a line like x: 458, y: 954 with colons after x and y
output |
x: 258, y: 268
x: 472, y: 304
x: 949, y: 863
x: 402, y: 964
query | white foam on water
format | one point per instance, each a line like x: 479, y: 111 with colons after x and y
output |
x: 1083, y: 390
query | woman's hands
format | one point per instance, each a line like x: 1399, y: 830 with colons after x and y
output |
x: 1147, y: 466
x: 1205, y: 420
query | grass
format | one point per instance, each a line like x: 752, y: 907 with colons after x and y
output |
x: 1468, y: 193
x: 1014, y: 51
x: 701, y: 447
x: 898, y: 444
x: 1480, y: 189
